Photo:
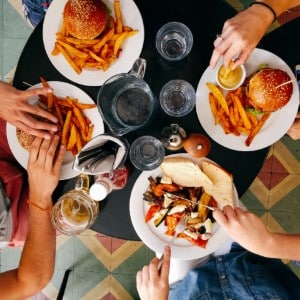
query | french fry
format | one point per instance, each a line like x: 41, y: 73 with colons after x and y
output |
x: 96, y: 57
x: 117, y: 9
x: 119, y: 42
x: 58, y: 112
x: 219, y: 96
x: 85, y: 105
x: 75, y: 67
x: 83, y: 126
x: 105, y: 39
x: 78, y: 142
x: 72, y: 138
x: 49, y: 95
x: 257, y: 128
x: 66, y: 128
x: 213, y: 104
x: 242, y: 112
x: 73, y: 50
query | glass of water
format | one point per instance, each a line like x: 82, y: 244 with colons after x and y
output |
x: 174, y: 41
x: 177, y: 98
x: 146, y: 153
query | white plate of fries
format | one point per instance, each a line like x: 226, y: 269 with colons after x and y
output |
x: 62, y: 91
x: 80, y: 70
x: 274, y: 127
x: 155, y: 237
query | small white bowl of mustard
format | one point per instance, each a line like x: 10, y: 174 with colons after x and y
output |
x: 230, y: 79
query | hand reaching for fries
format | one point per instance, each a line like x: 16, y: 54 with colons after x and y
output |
x: 16, y: 110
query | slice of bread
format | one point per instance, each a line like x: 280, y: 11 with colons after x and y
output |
x: 222, y: 187
x: 185, y: 172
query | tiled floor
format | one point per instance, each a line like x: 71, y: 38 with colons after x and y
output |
x: 104, y: 267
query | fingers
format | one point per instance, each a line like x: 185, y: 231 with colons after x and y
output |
x: 34, y: 150
x: 165, y: 268
x: 59, y: 159
x: 220, y: 217
x: 34, y: 92
x: 36, y: 110
x: 51, y: 152
x: 38, y: 133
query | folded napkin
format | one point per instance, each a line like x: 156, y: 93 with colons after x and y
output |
x: 14, y: 179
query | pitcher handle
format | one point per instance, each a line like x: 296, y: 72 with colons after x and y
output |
x: 139, y: 68
x: 82, y: 183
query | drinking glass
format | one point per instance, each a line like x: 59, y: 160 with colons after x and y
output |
x: 146, y: 153
x: 177, y: 98
x: 174, y: 41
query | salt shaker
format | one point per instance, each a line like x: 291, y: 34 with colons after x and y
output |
x: 173, y: 136
x: 105, y: 183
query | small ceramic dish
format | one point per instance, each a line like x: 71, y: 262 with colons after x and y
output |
x: 229, y: 79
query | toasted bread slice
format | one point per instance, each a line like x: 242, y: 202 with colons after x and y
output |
x: 222, y: 187
x: 185, y: 172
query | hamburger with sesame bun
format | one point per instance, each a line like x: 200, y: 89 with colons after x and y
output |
x: 85, y: 19
x: 269, y: 89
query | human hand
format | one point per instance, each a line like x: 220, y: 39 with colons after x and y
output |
x: 245, y: 228
x: 240, y: 35
x: 16, y: 110
x: 153, y: 283
x: 294, y: 131
x: 43, y: 169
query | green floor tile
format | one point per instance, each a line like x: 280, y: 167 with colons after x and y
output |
x: 289, y: 221
x: 10, y: 258
x: 128, y: 281
x: 134, y: 263
x: 85, y: 260
x: 290, y: 202
x: 251, y: 201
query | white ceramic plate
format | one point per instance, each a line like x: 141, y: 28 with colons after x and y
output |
x: 60, y: 89
x: 131, y: 48
x: 275, y: 127
x: 154, y: 237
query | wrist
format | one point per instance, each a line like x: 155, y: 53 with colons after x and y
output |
x: 41, y: 202
x: 264, y: 11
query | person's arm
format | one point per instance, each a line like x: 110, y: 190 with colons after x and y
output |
x: 294, y: 131
x: 242, y: 33
x: 38, y: 256
x: 16, y: 110
x: 153, y: 283
x: 248, y: 230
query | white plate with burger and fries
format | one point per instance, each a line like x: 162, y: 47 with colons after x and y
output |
x: 275, y: 126
x: 89, y: 71
x: 185, y: 171
x: 61, y: 90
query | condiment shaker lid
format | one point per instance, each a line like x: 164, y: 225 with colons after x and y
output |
x: 99, y: 191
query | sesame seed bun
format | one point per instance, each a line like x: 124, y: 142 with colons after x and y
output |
x: 85, y: 19
x: 25, y: 139
x: 267, y: 91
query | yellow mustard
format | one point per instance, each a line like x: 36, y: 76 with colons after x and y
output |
x: 230, y: 78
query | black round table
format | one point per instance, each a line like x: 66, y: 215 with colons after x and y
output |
x: 205, y: 18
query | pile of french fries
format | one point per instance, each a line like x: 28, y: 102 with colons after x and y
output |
x: 76, y: 128
x: 98, y: 53
x: 229, y: 112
